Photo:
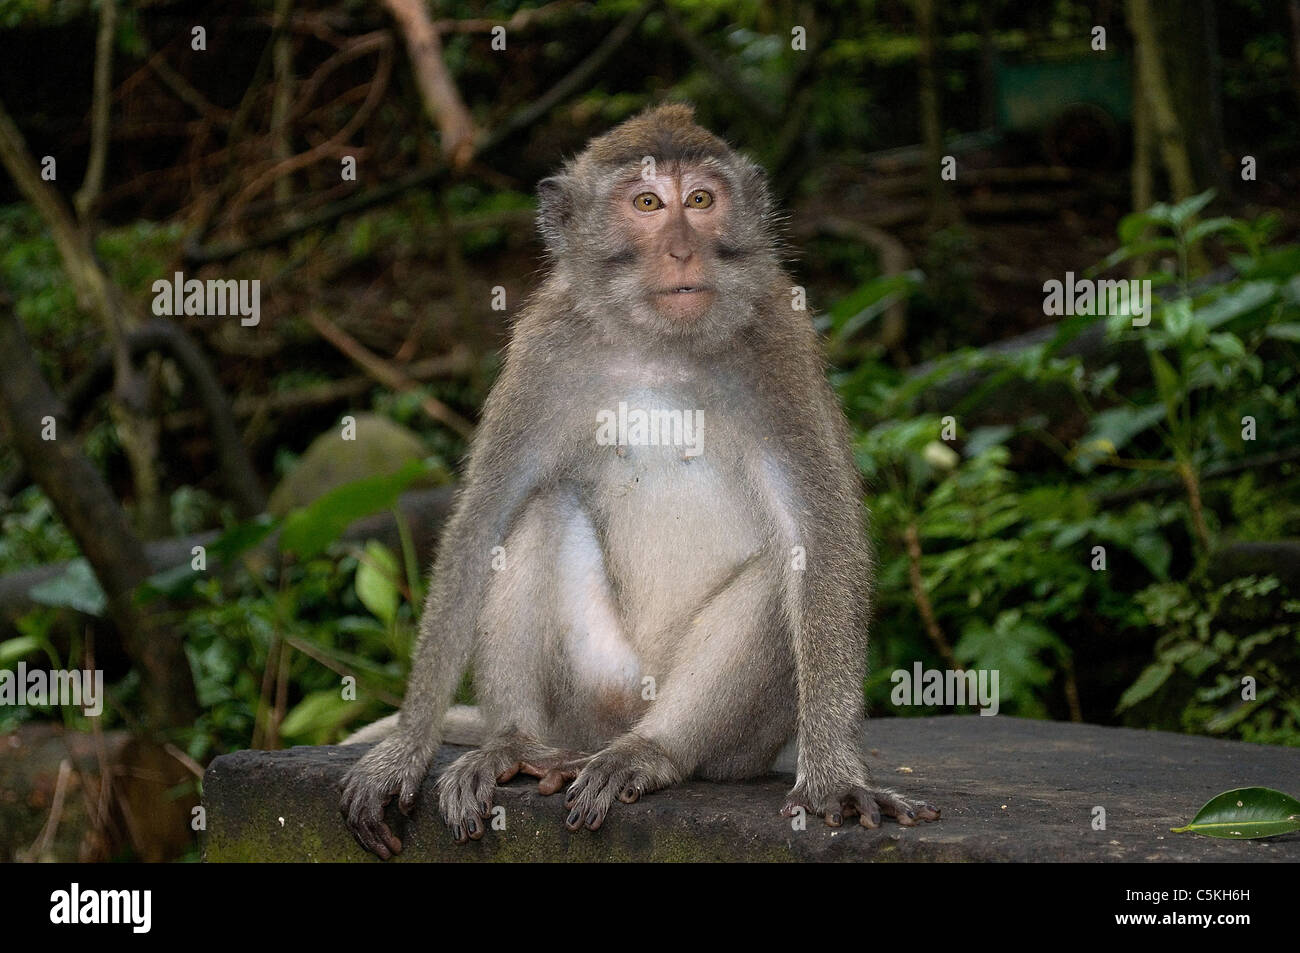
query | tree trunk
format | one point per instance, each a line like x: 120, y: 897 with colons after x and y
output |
x: 98, y: 524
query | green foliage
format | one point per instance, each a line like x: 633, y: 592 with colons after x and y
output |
x: 1246, y: 813
x: 1229, y: 653
x: 1006, y: 554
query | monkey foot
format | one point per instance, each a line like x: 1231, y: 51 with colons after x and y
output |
x: 628, y: 768
x: 860, y: 801
x: 553, y: 769
x: 467, y: 787
x: 390, y: 769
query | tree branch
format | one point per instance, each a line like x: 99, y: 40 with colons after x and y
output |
x: 93, y: 183
x: 98, y: 524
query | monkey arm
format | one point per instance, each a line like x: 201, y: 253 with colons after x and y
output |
x: 829, y: 608
x: 506, y: 466
x: 510, y: 458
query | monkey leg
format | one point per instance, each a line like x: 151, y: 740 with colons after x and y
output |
x: 722, y: 711
x: 549, y: 584
x: 859, y: 800
x: 465, y: 790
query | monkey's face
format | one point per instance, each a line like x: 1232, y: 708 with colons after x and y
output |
x: 675, y: 226
x: 683, y: 253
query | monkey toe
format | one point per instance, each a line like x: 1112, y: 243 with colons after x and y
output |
x: 465, y: 795
x: 869, y: 804
x: 906, y: 812
x: 589, y: 799
x: 864, y: 803
x: 554, y: 771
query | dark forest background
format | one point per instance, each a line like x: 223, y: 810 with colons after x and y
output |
x: 233, y: 522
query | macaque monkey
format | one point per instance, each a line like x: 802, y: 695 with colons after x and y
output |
x: 657, y: 563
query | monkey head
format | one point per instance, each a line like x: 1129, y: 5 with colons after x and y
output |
x: 660, y: 225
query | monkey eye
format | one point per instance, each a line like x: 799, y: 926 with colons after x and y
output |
x: 700, y: 198
x: 648, y: 202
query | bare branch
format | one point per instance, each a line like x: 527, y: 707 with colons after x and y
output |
x: 441, y: 97
x: 93, y: 183
x: 385, y: 372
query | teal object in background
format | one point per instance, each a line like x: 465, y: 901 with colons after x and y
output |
x: 1032, y: 96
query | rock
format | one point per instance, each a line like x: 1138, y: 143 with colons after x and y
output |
x: 1010, y: 790
x: 381, y: 448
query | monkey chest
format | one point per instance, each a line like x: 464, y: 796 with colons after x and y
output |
x: 675, y: 515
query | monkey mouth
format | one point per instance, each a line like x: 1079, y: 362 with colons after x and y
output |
x: 684, y: 302
x: 685, y: 290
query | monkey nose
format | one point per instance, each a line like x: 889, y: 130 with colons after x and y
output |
x: 680, y: 254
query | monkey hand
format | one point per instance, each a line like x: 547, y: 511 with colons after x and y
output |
x: 629, y: 767
x: 392, y: 768
x: 836, y: 799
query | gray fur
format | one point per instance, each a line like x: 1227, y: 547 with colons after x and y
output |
x: 623, y: 564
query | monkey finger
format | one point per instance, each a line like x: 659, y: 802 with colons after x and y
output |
x: 509, y: 773
x: 868, y: 811
x: 629, y: 794
x: 575, y: 791
x: 901, y: 810
x: 926, y: 811
x: 378, y: 839
x: 833, y: 818
x: 474, y: 827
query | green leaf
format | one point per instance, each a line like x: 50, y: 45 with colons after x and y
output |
x: 1209, y: 227
x: 1246, y: 814
x: 317, y: 712
x: 982, y: 438
x: 1125, y: 252
x: 1188, y: 207
x: 1283, y: 332
x: 1155, y: 553
x: 308, y: 530
x: 1151, y: 679
x: 11, y: 650
x: 76, y: 589
x: 869, y: 300
x: 1166, y: 382
x: 1112, y: 430
x: 376, y: 586
x: 1132, y: 225
x: 1239, y: 301
x: 239, y: 538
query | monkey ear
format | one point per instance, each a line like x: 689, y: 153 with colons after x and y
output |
x: 554, y: 209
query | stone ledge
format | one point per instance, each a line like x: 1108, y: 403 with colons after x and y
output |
x: 1010, y: 790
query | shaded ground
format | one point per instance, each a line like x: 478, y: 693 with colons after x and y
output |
x: 1010, y: 790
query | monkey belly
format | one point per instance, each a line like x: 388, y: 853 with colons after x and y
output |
x: 591, y: 619
x: 674, y: 529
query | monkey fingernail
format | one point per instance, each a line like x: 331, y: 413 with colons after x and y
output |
x: 834, y: 818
